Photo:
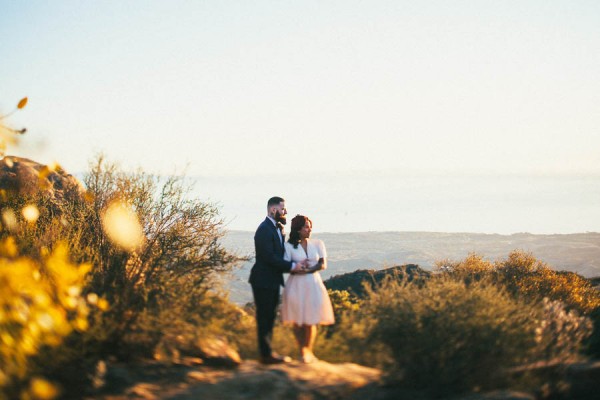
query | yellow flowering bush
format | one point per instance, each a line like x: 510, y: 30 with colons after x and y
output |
x: 523, y: 275
x: 41, y: 304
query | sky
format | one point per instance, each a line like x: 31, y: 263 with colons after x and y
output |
x: 243, y: 88
x: 455, y: 116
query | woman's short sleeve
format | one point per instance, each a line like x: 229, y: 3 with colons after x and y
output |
x: 321, y: 249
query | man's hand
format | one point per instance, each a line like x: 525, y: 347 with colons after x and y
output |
x: 300, y: 267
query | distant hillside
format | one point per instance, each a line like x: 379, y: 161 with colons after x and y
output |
x: 353, y: 281
x: 348, y: 252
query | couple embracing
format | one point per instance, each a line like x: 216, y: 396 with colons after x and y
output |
x: 305, y: 302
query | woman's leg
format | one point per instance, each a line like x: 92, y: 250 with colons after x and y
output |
x: 309, y: 334
x: 312, y: 336
x: 299, y: 335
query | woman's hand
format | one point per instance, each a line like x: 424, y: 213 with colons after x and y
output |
x: 320, y: 265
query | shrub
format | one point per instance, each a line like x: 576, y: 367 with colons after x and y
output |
x: 448, y: 335
x: 560, y: 332
x: 173, y: 270
x: 41, y: 304
x: 342, y: 302
x: 525, y: 276
x: 522, y: 275
x: 166, y: 280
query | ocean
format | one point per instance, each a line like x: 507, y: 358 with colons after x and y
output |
x: 504, y: 204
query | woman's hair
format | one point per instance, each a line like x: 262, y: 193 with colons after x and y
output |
x: 298, y: 223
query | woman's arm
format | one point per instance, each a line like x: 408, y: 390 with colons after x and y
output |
x: 320, y: 265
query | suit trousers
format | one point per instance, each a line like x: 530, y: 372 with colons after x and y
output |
x: 266, y: 301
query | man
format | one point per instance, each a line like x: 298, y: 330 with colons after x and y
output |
x: 267, y: 275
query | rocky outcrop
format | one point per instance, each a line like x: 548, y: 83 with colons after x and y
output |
x: 197, y: 350
x: 251, y: 380
x: 321, y: 380
x: 24, y: 177
x: 354, y: 281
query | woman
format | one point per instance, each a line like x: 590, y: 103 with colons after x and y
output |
x: 305, y: 301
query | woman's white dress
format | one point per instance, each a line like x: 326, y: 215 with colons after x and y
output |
x: 305, y: 299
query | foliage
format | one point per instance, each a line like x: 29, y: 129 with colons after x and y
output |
x: 164, y: 280
x: 175, y: 328
x: 342, y: 302
x: 525, y: 276
x: 7, y: 135
x: 62, y: 262
x: 181, y: 256
x: 41, y: 304
x: 353, y: 282
x: 448, y: 335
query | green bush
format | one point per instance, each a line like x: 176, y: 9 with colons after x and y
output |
x: 528, y: 278
x: 179, y: 262
x: 169, y: 282
x: 448, y: 335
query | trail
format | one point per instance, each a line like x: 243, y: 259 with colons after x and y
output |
x: 250, y: 380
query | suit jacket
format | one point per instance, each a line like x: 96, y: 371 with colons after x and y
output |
x: 269, y: 267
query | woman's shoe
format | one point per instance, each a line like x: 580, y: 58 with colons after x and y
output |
x: 309, y: 359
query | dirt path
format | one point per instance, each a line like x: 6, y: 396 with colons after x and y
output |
x: 251, y: 380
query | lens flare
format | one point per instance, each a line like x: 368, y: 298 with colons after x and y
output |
x: 30, y: 213
x: 9, y: 219
x: 121, y: 224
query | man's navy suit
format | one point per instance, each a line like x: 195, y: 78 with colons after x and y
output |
x: 265, y: 277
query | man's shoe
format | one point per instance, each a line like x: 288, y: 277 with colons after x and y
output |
x: 275, y: 359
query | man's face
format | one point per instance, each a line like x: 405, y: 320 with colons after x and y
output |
x: 280, y: 213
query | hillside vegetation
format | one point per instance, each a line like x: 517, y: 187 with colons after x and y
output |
x: 350, y: 251
x: 122, y: 268
x: 127, y: 268
x: 467, y: 324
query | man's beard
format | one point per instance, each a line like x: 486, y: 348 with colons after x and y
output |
x: 280, y: 218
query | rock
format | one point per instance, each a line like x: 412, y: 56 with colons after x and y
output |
x: 218, y: 353
x: 211, y: 351
x: 251, y: 380
x: 24, y: 177
x: 320, y: 380
x: 354, y: 281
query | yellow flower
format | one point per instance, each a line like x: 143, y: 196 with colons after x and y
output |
x: 103, y: 305
x: 41, y: 389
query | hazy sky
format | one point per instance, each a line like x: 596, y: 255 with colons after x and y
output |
x: 248, y: 87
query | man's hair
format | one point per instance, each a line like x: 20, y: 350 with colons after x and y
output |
x: 273, y: 201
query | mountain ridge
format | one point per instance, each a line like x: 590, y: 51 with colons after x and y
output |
x: 347, y: 252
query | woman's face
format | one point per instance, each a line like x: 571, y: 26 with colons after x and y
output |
x: 306, y: 230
